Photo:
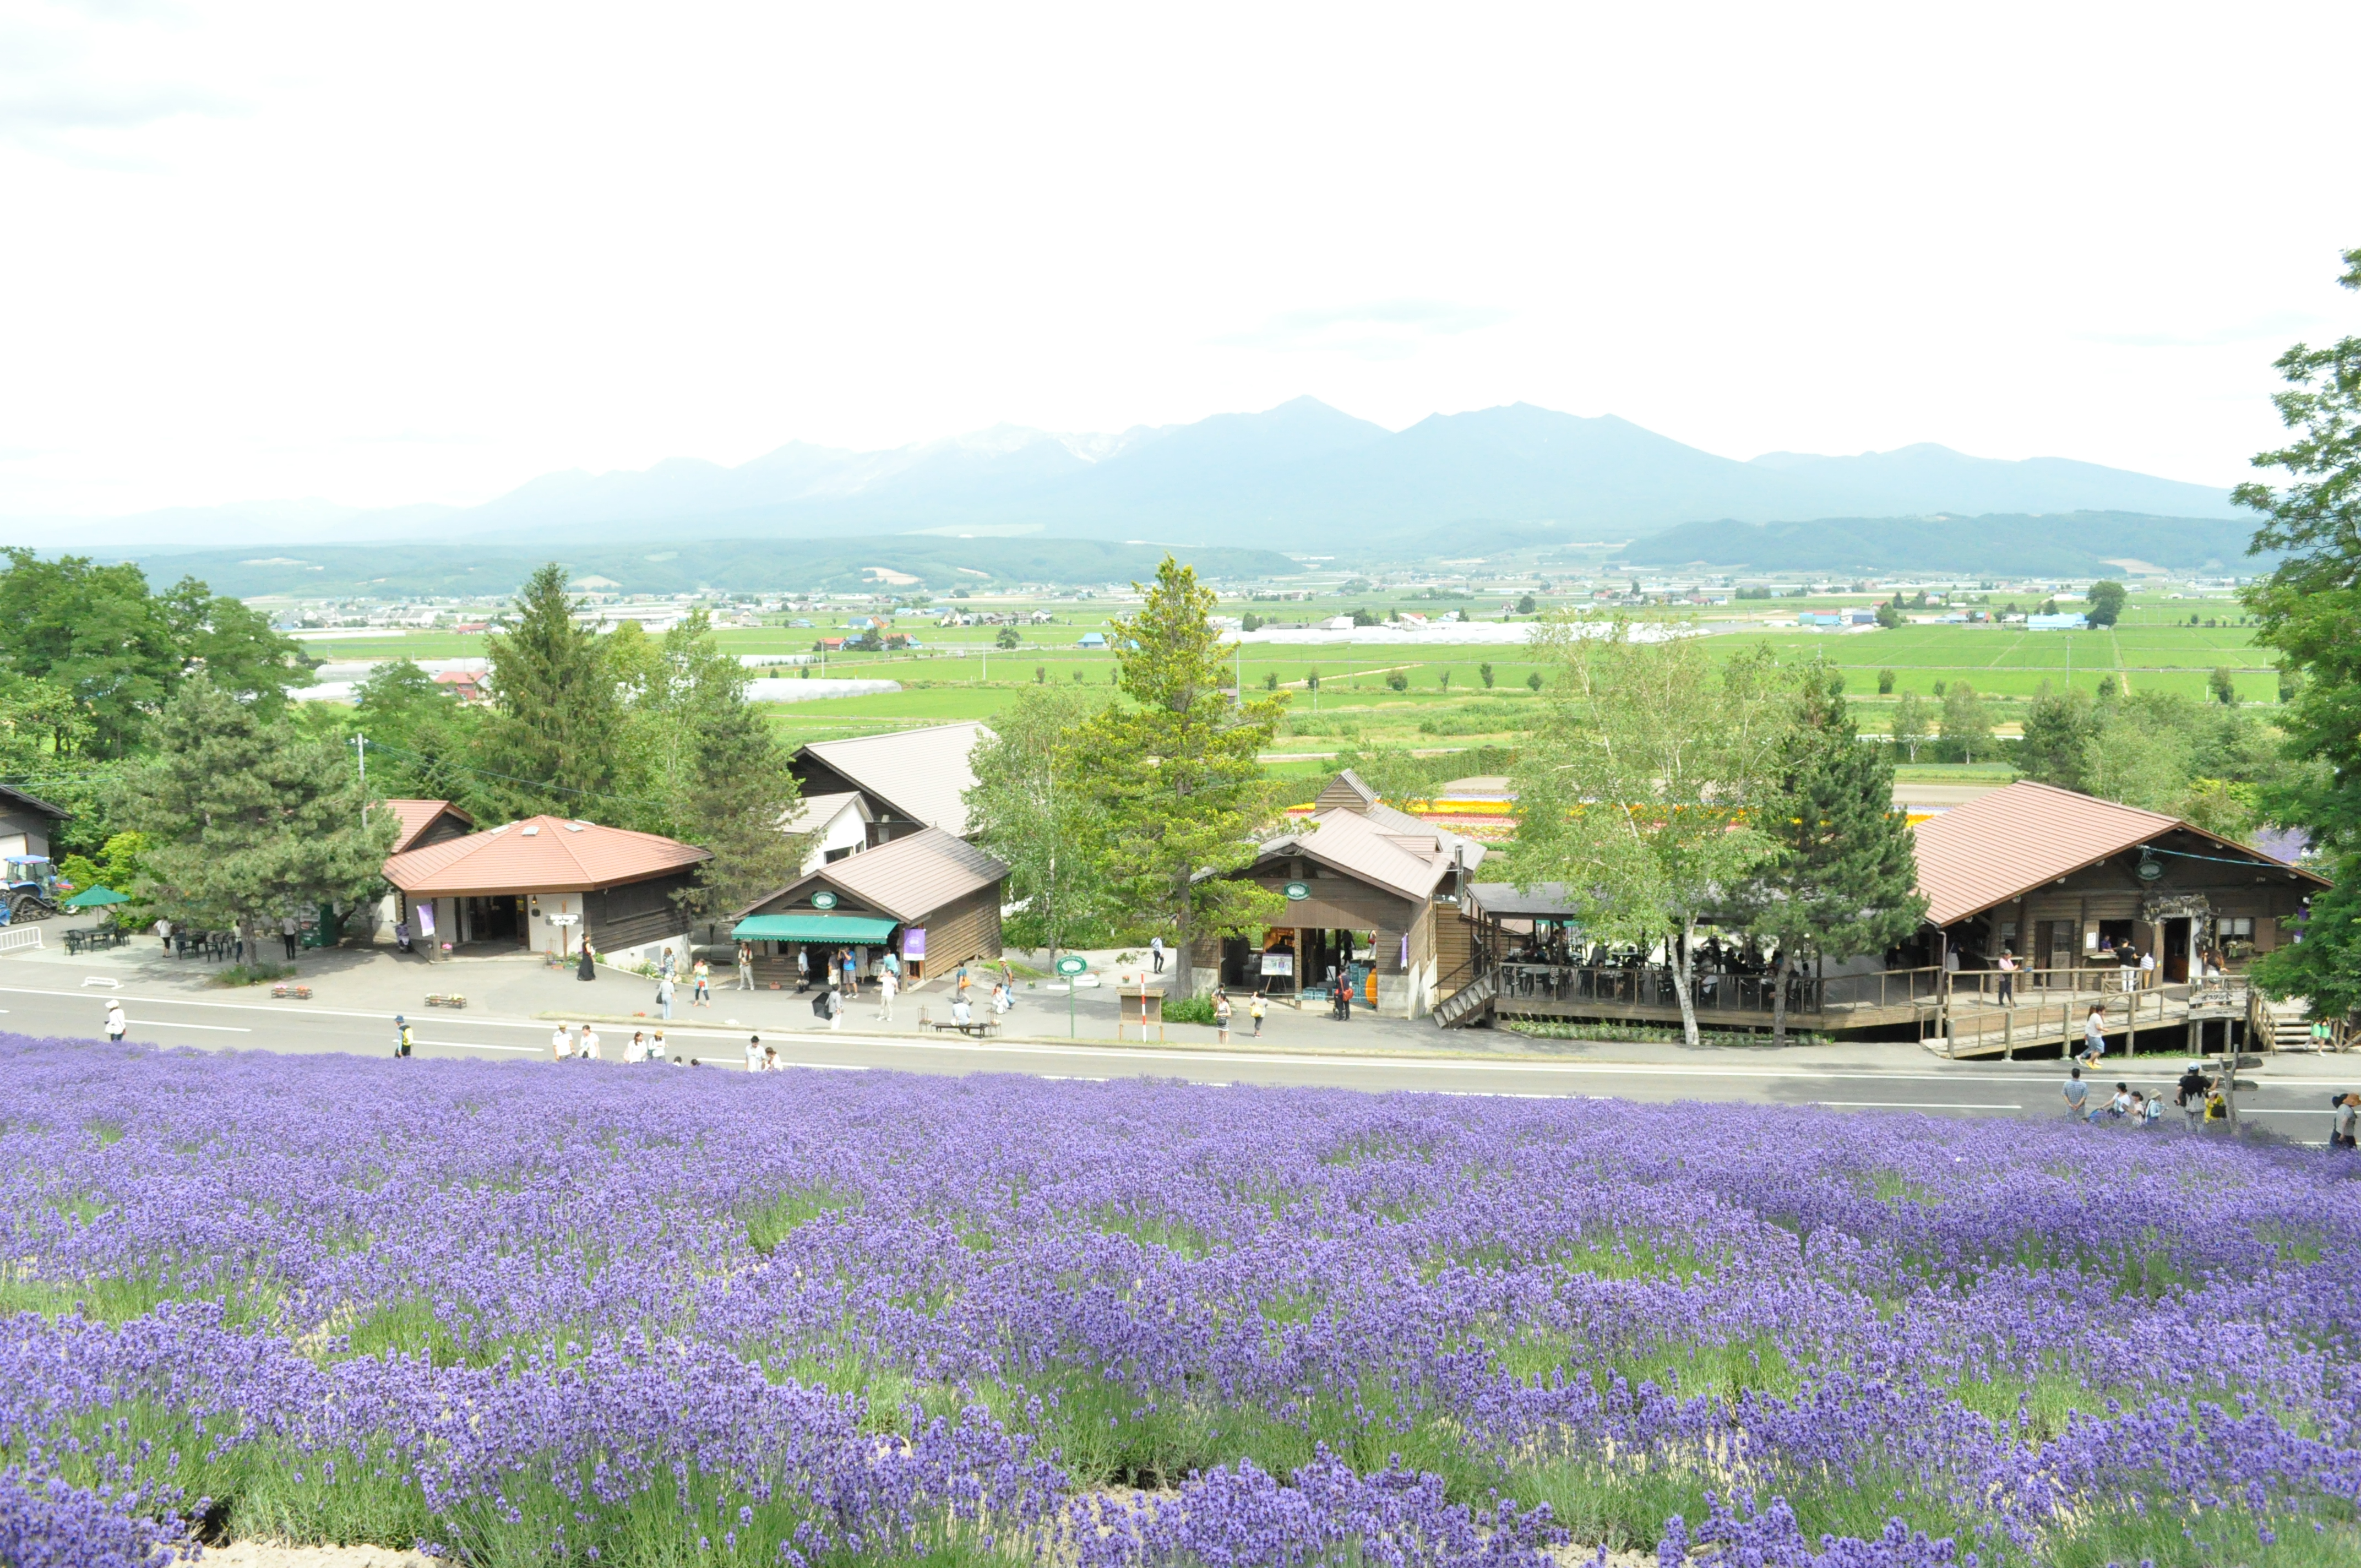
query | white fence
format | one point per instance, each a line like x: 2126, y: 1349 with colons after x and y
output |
x: 16, y: 939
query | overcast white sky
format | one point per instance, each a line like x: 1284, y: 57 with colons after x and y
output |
x: 426, y: 251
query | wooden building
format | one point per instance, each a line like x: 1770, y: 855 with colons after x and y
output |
x: 546, y: 884
x: 930, y: 897
x: 908, y: 780
x: 27, y: 823
x: 1370, y: 892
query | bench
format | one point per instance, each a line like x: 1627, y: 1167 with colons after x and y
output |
x: 974, y: 1028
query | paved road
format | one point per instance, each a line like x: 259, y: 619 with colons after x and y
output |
x: 2292, y: 1100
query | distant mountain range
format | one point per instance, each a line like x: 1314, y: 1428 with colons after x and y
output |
x: 2072, y: 544
x: 1302, y: 477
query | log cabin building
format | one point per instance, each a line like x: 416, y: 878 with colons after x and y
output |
x: 930, y: 897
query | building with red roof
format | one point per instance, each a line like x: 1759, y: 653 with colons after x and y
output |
x: 545, y: 883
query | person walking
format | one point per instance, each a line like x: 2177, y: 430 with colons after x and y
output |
x: 2007, y: 967
x: 836, y: 1004
x: 588, y: 969
x: 888, y: 987
x: 2189, y: 1095
x: 2078, y: 1095
x: 745, y: 966
x: 701, y: 973
x: 1155, y: 952
x: 1220, y: 1018
x: 2094, y: 1034
x: 1256, y: 1006
x: 666, y: 965
x: 2345, y: 1125
x: 402, y: 1037
x: 163, y: 930
x: 803, y: 970
x: 117, y: 1026
x: 287, y: 929
x: 663, y: 996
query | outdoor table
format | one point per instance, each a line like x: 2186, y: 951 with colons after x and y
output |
x: 77, y: 936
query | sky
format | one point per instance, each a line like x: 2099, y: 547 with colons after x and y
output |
x: 423, y: 252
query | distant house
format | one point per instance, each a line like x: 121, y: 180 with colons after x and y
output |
x: 1816, y: 618
x: 1090, y: 639
x: 1337, y: 623
x: 466, y: 684
x: 2056, y: 623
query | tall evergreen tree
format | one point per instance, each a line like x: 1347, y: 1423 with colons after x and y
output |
x: 557, y: 718
x: 245, y: 820
x: 2310, y: 606
x: 1842, y: 876
x: 1176, y: 768
x: 728, y: 782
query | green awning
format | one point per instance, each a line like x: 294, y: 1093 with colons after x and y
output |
x: 866, y: 930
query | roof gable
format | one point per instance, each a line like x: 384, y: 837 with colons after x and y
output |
x: 908, y: 877
x: 2014, y: 840
x: 540, y: 854
x: 923, y: 774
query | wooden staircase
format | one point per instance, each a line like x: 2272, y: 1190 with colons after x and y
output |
x: 1470, y: 1004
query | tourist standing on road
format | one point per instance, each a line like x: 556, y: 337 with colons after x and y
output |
x: 665, y: 966
x: 2078, y: 1095
x: 663, y: 994
x: 2094, y: 1034
x: 851, y: 975
x: 888, y: 987
x: 770, y: 1058
x: 590, y: 1048
x: 1256, y: 1006
x: 2190, y: 1096
x: 117, y: 1024
x: 163, y: 930
x: 2345, y: 1125
x: 656, y: 1047
x: 803, y: 970
x: 1222, y: 1016
x: 702, y: 973
x: 745, y: 966
x: 835, y: 1000
x: 1155, y: 952
x: 2007, y: 967
x: 403, y: 1037
x: 753, y: 1053
x: 287, y: 929
x: 561, y: 1044
x: 637, y: 1051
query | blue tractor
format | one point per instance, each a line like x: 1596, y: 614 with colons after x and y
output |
x: 33, y: 889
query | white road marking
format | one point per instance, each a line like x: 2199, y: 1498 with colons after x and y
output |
x: 176, y: 1024
x: 479, y: 1045
x: 1910, y: 1105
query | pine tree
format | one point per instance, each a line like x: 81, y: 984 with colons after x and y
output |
x: 1842, y: 877
x: 558, y: 717
x: 728, y: 778
x: 1176, y: 770
x: 245, y: 820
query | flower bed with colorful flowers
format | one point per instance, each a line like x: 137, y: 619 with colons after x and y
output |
x: 589, y: 1313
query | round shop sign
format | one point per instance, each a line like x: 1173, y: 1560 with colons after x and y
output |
x: 823, y: 899
x: 1072, y: 963
x: 1299, y: 890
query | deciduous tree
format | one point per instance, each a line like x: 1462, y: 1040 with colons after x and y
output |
x: 1032, y: 807
x: 1637, y: 787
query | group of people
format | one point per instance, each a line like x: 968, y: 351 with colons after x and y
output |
x: 2127, y: 1104
x: 565, y: 1045
x: 1257, y: 1006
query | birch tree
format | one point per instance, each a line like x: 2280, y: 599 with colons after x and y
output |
x: 1634, y: 789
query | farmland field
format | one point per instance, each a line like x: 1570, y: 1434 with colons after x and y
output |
x: 581, y: 1314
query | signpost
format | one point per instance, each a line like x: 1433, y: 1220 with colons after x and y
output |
x: 1071, y: 966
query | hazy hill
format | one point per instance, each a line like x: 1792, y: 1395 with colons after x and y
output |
x: 2072, y: 544
x: 1301, y: 476
x: 736, y: 566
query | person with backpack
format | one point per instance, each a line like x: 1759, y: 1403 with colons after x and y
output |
x: 403, y: 1037
x: 664, y: 996
x: 1255, y: 1007
x: 2345, y: 1125
x: 2190, y: 1096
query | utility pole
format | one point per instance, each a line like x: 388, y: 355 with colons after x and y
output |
x: 360, y: 749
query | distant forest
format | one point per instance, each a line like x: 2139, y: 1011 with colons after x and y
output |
x: 2005, y: 545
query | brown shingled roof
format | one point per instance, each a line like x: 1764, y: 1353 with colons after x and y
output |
x: 2014, y: 840
x: 417, y: 816
x: 540, y: 854
x: 907, y: 877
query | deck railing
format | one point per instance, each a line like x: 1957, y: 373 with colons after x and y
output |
x: 1651, y: 985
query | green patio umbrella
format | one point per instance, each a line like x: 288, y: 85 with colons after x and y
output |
x: 96, y: 898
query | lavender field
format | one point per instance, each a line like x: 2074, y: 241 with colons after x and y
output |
x: 542, y: 1313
